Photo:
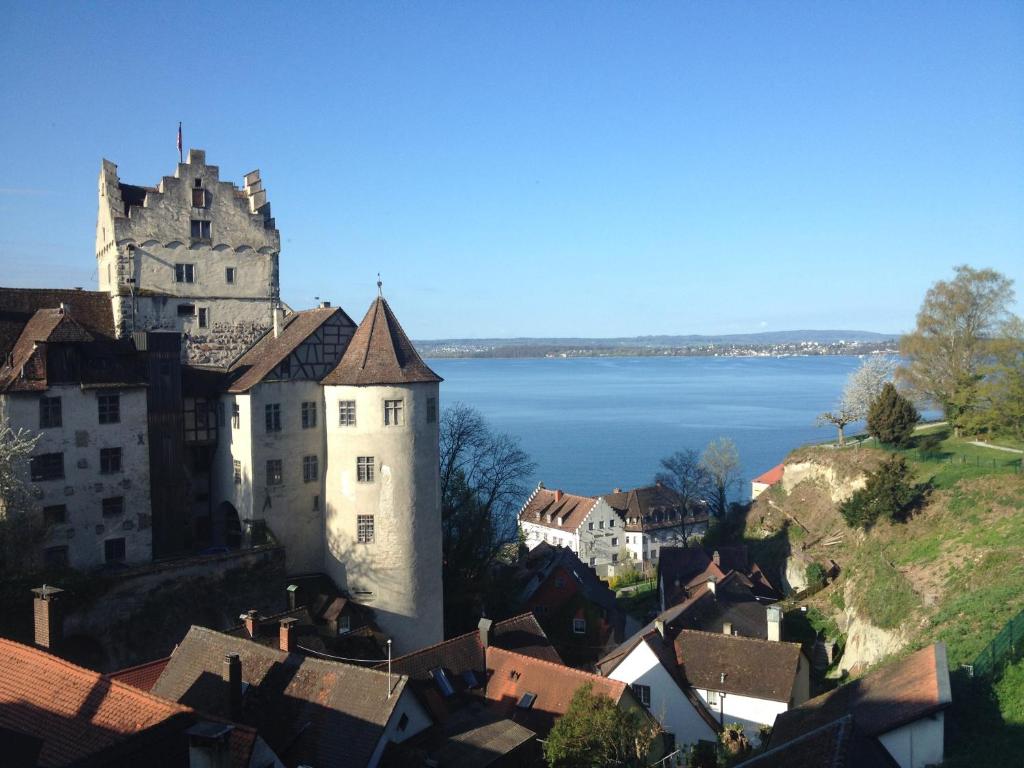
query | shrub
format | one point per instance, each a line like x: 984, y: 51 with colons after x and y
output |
x: 888, y: 493
x: 891, y: 417
x: 816, y: 575
x: 929, y: 443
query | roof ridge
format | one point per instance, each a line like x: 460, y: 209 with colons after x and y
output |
x: 561, y: 667
x: 761, y: 640
x: 475, y: 632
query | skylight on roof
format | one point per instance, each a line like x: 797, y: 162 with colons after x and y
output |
x: 441, y: 678
x: 527, y: 700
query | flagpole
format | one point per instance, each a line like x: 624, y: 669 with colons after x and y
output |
x: 181, y: 157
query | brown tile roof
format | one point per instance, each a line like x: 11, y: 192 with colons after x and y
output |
x: 839, y: 744
x: 90, y: 308
x: 308, y: 710
x: 652, y: 507
x: 74, y: 712
x: 546, y: 506
x: 511, y: 675
x: 142, y: 676
x: 761, y: 669
x: 772, y: 476
x: 884, y: 699
x: 682, y: 568
x: 267, y: 353
x: 475, y: 738
x: 380, y: 353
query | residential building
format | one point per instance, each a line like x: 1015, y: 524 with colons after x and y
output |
x: 839, y: 744
x: 682, y: 570
x: 653, y: 517
x: 766, y: 480
x: 901, y: 704
x: 585, y: 525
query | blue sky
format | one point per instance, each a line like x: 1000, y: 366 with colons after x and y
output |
x: 545, y: 169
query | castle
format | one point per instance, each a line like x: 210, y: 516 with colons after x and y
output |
x: 183, y: 407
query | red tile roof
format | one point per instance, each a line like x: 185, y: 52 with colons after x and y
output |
x: 142, y: 676
x: 380, y: 353
x: 772, y: 476
x: 74, y: 712
x: 546, y: 506
x: 884, y: 699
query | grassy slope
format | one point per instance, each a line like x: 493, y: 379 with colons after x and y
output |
x: 954, y: 572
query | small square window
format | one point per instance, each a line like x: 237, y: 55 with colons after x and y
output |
x: 55, y: 557
x: 273, y: 417
x: 713, y: 698
x: 274, y: 476
x: 200, y: 229
x: 114, y: 550
x: 611, y: 523
x: 364, y: 529
x: 113, y: 507
x: 47, y: 466
x: 615, y: 541
x: 310, y: 469
x: 601, y: 525
x: 308, y: 415
x: 346, y: 413
x: 184, y: 273
x: 431, y: 410
x: 229, y: 275
x: 579, y: 626
x: 236, y: 467
x: 236, y: 416
x: 393, y: 413
x: 110, y: 461
x: 204, y: 317
x: 643, y: 694
x: 109, y: 406
x: 593, y: 562
x: 49, y: 412
x: 55, y: 515
x: 365, y: 469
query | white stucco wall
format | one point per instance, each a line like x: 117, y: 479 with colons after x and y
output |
x: 751, y: 713
x: 418, y: 721
x: 83, y: 487
x: 668, y: 703
x: 401, y: 569
x: 594, y: 546
x: 918, y: 744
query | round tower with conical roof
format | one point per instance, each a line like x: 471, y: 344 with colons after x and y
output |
x: 383, y: 510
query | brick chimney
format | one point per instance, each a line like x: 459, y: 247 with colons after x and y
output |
x: 726, y: 627
x: 233, y: 677
x: 251, y: 619
x: 286, y: 635
x: 774, y: 623
x: 292, y: 591
x: 485, y: 632
x: 558, y: 495
x: 49, y: 623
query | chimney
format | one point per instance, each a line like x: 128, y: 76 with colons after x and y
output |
x: 63, y: 309
x: 726, y: 627
x: 616, y: 490
x: 774, y: 623
x: 659, y: 624
x: 325, y: 305
x: 712, y: 581
x: 286, y: 635
x: 292, y: 591
x: 558, y: 495
x: 278, y: 320
x: 717, y: 558
x: 251, y: 617
x: 485, y: 631
x: 49, y: 624
x: 233, y: 677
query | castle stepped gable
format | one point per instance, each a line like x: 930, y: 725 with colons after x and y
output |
x: 380, y: 353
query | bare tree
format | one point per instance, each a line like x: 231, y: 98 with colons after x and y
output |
x: 841, y: 419
x: 721, y: 463
x: 685, y: 477
x: 21, y: 530
x: 483, y: 476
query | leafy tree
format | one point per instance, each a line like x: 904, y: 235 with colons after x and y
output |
x: 482, y: 483
x: 891, y: 417
x: 721, y: 464
x: 951, y: 341
x: 888, y: 492
x: 595, y: 732
x: 1000, y: 389
x: 21, y: 529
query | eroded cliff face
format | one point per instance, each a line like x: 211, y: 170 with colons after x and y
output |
x: 840, y: 486
x: 866, y: 644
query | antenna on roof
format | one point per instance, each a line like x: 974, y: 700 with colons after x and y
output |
x: 389, y: 655
x: 380, y: 291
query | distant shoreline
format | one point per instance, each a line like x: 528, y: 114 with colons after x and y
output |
x: 555, y: 353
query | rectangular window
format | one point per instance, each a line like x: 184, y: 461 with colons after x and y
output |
x: 274, y: 472
x: 364, y: 469
x: 184, y: 273
x: 308, y: 415
x: 186, y: 310
x: 200, y: 229
x: 590, y: 525
x: 55, y: 515
x: 615, y: 557
x: 198, y: 195
x: 593, y: 562
x: 236, y: 416
x: 601, y: 525
x: 713, y: 698
x: 49, y: 412
x: 642, y: 693
x: 204, y: 317
x: 392, y: 413
x: 611, y: 523
x: 316, y: 503
x: 47, y: 466
x: 109, y: 407
x: 579, y: 626
x: 346, y: 413
x: 55, y: 557
x: 364, y: 532
x: 110, y: 461
x: 615, y: 541
x: 113, y: 506
x: 431, y: 410
x: 310, y: 469
x: 229, y: 275
x: 113, y: 550
x: 273, y: 417
x: 236, y: 466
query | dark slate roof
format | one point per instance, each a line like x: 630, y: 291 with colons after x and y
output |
x: 761, y: 669
x: 653, y: 507
x: 380, y: 353
x: 308, y: 710
x: 545, y: 558
x: 90, y: 308
x: 884, y: 699
x: 267, y: 353
x: 681, y: 568
x: 839, y: 744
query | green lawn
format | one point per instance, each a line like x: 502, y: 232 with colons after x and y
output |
x: 641, y: 602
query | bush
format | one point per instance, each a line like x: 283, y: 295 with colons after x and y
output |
x: 816, y: 575
x: 929, y: 443
x: 888, y: 493
x: 891, y: 417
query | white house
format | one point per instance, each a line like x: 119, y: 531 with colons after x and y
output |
x: 588, y: 526
x: 653, y: 517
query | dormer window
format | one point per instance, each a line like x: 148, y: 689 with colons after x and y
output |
x: 198, y: 195
x: 560, y: 519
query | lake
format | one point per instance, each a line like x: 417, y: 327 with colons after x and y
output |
x: 593, y: 424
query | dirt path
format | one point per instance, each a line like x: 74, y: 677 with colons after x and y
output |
x: 995, y: 447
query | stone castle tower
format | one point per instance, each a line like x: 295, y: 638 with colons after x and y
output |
x: 194, y: 254
x: 383, y: 512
